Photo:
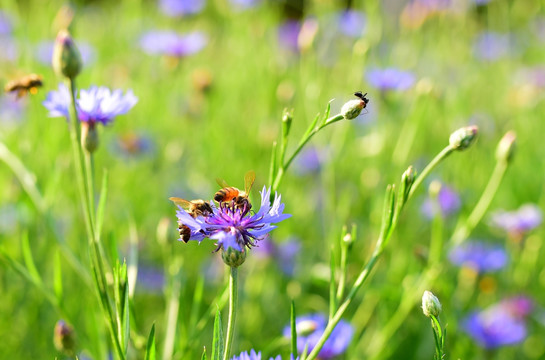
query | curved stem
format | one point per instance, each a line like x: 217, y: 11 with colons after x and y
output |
x: 436, y: 160
x: 233, y: 299
x: 463, y: 231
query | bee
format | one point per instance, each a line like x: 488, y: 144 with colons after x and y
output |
x: 229, y: 193
x: 362, y: 97
x: 29, y: 83
x: 194, y: 208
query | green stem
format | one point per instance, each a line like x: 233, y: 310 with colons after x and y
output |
x: 342, y: 277
x: 302, y: 143
x: 233, y: 298
x: 463, y: 231
x: 436, y: 160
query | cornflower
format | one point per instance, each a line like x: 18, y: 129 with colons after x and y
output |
x: 232, y: 225
x: 480, y: 256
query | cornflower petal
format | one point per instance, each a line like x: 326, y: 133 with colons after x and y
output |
x: 58, y: 102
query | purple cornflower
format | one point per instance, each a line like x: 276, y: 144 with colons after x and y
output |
x: 449, y: 203
x: 311, y: 327
x: 151, y: 279
x: 173, y: 44
x: 44, y: 52
x: 175, y: 8
x: 5, y: 24
x: 390, y: 79
x: 352, y: 23
x: 480, y: 256
x: 491, y: 46
x: 233, y: 226
x: 496, y: 326
x: 98, y: 104
x: 526, y: 218
x: 252, y: 355
x: 288, y: 35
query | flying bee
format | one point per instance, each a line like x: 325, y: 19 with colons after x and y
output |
x: 229, y: 193
x: 362, y: 97
x: 29, y: 83
x: 194, y: 208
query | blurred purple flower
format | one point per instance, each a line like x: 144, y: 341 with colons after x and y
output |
x: 252, y: 355
x: 9, y: 49
x: 288, y: 35
x: 449, y: 203
x: 131, y: 145
x: 98, y: 104
x: 44, y: 52
x: 309, y: 160
x: 173, y: 44
x: 518, y: 306
x: 352, y: 23
x: 390, y: 79
x: 526, y: 218
x: 491, y: 46
x: 175, y: 8
x: 480, y: 256
x: 6, y: 24
x: 498, y: 325
x: 284, y: 253
x: 11, y: 110
x: 311, y: 327
x: 150, y: 278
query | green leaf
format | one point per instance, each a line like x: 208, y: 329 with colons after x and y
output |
x: 293, y: 330
x: 132, y: 259
x: 204, y: 354
x: 29, y: 259
x: 150, y: 347
x: 57, y: 277
x: 332, y: 287
x: 272, y: 168
x: 217, y: 342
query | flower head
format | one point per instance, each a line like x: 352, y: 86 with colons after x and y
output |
x: 311, y: 327
x: 480, y: 256
x: 233, y: 225
x: 431, y: 304
x: 175, y: 8
x: 98, y: 104
x: 390, y: 79
x: 526, y: 218
x: 497, y: 325
x: 173, y: 44
x: 448, y: 199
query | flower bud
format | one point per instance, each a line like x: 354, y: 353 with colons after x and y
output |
x: 306, y: 327
x: 506, y: 147
x: 287, y: 118
x: 89, y: 136
x: 348, y: 239
x: 63, y: 338
x: 352, y: 108
x: 66, y: 57
x: 430, y: 304
x: 233, y: 257
x: 407, y: 181
x: 462, y: 138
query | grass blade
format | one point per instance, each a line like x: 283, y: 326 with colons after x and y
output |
x: 57, y: 277
x: 217, y: 342
x: 150, y: 347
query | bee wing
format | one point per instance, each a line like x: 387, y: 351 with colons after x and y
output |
x: 249, y: 179
x: 222, y: 183
x: 182, y: 202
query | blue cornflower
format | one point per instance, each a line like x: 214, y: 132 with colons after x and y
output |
x: 150, y: 278
x: 390, y: 79
x: 288, y: 35
x: 311, y: 327
x: 98, y: 104
x: 480, y: 256
x: 234, y: 226
x: 173, y: 44
x: 176, y: 8
x: 255, y: 356
x: 6, y: 25
x: 496, y: 326
x: 526, y: 218
x: 448, y: 199
x: 352, y: 23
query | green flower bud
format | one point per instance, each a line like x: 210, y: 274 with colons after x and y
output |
x: 287, y: 118
x: 430, y: 304
x: 506, y: 147
x: 66, y: 57
x: 407, y: 181
x: 89, y: 136
x: 352, y: 108
x: 462, y: 138
x: 64, y: 338
x: 232, y: 257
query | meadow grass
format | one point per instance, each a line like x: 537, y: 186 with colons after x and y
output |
x: 198, y: 135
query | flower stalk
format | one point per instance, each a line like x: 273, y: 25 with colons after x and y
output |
x: 233, y: 300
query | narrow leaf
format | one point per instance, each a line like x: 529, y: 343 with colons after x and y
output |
x: 150, y: 347
x: 217, y: 342
x: 29, y: 259
x: 132, y: 259
x: 272, y: 169
x: 293, y: 330
x: 332, y: 287
x: 203, y: 354
x: 102, y: 202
